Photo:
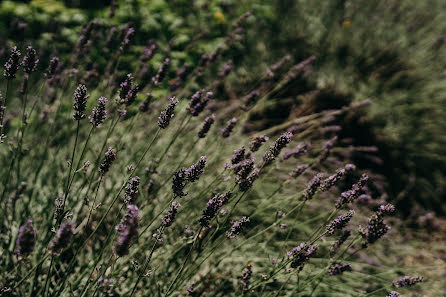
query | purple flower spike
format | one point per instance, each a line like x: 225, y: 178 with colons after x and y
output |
x: 131, y: 190
x: 207, y: 124
x: 336, y: 269
x: 169, y: 217
x: 407, y: 281
x: 80, y: 102
x: 30, y: 60
x: 257, y: 142
x: 13, y: 64
x: 194, y: 172
x: 213, y: 206
x: 110, y: 156
x: 99, y: 113
x: 237, y: 227
x: 62, y: 238
x: 276, y: 148
x: 301, y: 254
x: 340, y: 222
x: 26, y: 240
x: 128, y: 231
x: 167, y: 114
x: 227, y: 131
x: 351, y: 195
x: 312, y: 188
x: 162, y: 72
x: 394, y: 294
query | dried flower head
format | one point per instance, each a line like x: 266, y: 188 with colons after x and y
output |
x: 208, y: 121
x: 167, y: 114
x: 62, y: 238
x: 99, y: 112
x: 110, y: 156
x: 257, y: 142
x: 12, y: 64
x: 26, y: 240
x: 80, y: 102
x: 128, y: 231
x: 276, y: 148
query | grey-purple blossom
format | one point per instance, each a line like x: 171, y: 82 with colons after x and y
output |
x: 62, y: 238
x: 336, y: 268
x: 80, y: 102
x: 26, y: 240
x: 110, y: 156
x: 257, y: 142
x: 99, y: 112
x: 12, y: 64
x: 213, y: 206
x: 169, y: 217
x: 301, y: 254
x: 407, y: 281
x: 30, y: 60
x: 128, y: 231
x: 227, y: 130
x: 167, y: 114
x: 276, y: 148
x: 340, y: 222
x: 207, y: 124
x: 237, y: 227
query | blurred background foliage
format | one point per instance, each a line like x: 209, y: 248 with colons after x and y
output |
x: 391, y: 51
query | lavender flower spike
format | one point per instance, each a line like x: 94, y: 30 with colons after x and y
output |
x: 257, y: 142
x: 227, y: 131
x: 179, y: 182
x: 351, y: 195
x: 335, y: 178
x: 162, y: 72
x: 208, y: 121
x: 110, y: 156
x: 128, y: 231
x: 312, y: 188
x: 276, y: 148
x: 301, y: 255
x: 376, y: 227
x: 62, y: 238
x: 336, y: 269
x: 13, y: 64
x: 131, y: 190
x: 340, y: 222
x: 52, y: 68
x: 80, y: 102
x: 99, y: 113
x: 213, y: 205
x: 26, y: 240
x: 167, y: 114
x: 30, y: 60
x: 194, y: 172
x: 407, y: 281
x: 169, y: 217
x: 237, y: 227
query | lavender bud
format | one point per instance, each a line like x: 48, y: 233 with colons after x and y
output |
x: 239, y: 155
x: 297, y: 152
x: 340, y: 222
x: 62, y: 238
x: 237, y: 227
x: 52, y: 68
x: 335, y: 178
x: 243, y: 169
x: 213, y: 206
x: 335, y: 246
x: 226, y: 132
x: 162, y: 72
x: 99, y: 112
x: 246, y: 276
x: 301, y: 255
x: 376, y: 227
x: 169, y: 217
x: 276, y: 148
x: 246, y: 184
x: 58, y: 207
x: 394, y: 294
x: 13, y: 64
x: 336, y: 269
x: 30, y: 60
x: 26, y: 240
x: 128, y: 231
x: 131, y: 190
x: 194, y: 172
x: 80, y: 102
x: 208, y: 121
x: 299, y: 170
x: 167, y: 114
x: 128, y: 91
x: 351, y: 195
x: 257, y: 142
x: 407, y: 281
x: 144, y: 106
x: 110, y: 156
x: 312, y: 188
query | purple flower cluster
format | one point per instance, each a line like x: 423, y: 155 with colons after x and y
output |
x: 340, y: 222
x: 394, y: 294
x: 407, y: 281
x: 239, y: 156
x: 352, y: 194
x: 30, y: 60
x: 167, y: 114
x: 198, y: 102
x: 184, y: 175
x: 276, y: 148
x: 336, y: 269
x: 257, y: 142
x: 128, y: 231
x: 162, y: 72
x: 237, y: 227
x: 52, y: 67
x: 179, y: 182
x: 12, y: 64
x: 376, y: 228
x: 80, y: 102
x: 99, y: 112
x: 194, y: 172
x: 301, y: 254
x: 169, y: 217
x: 299, y: 170
x: 26, y: 240
x: 301, y: 149
x: 335, y: 178
x: 213, y: 206
x: 207, y: 124
x: 62, y: 238
x: 227, y: 130
x: 312, y: 187
x: 110, y: 156
x: 131, y: 190
x: 128, y: 91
